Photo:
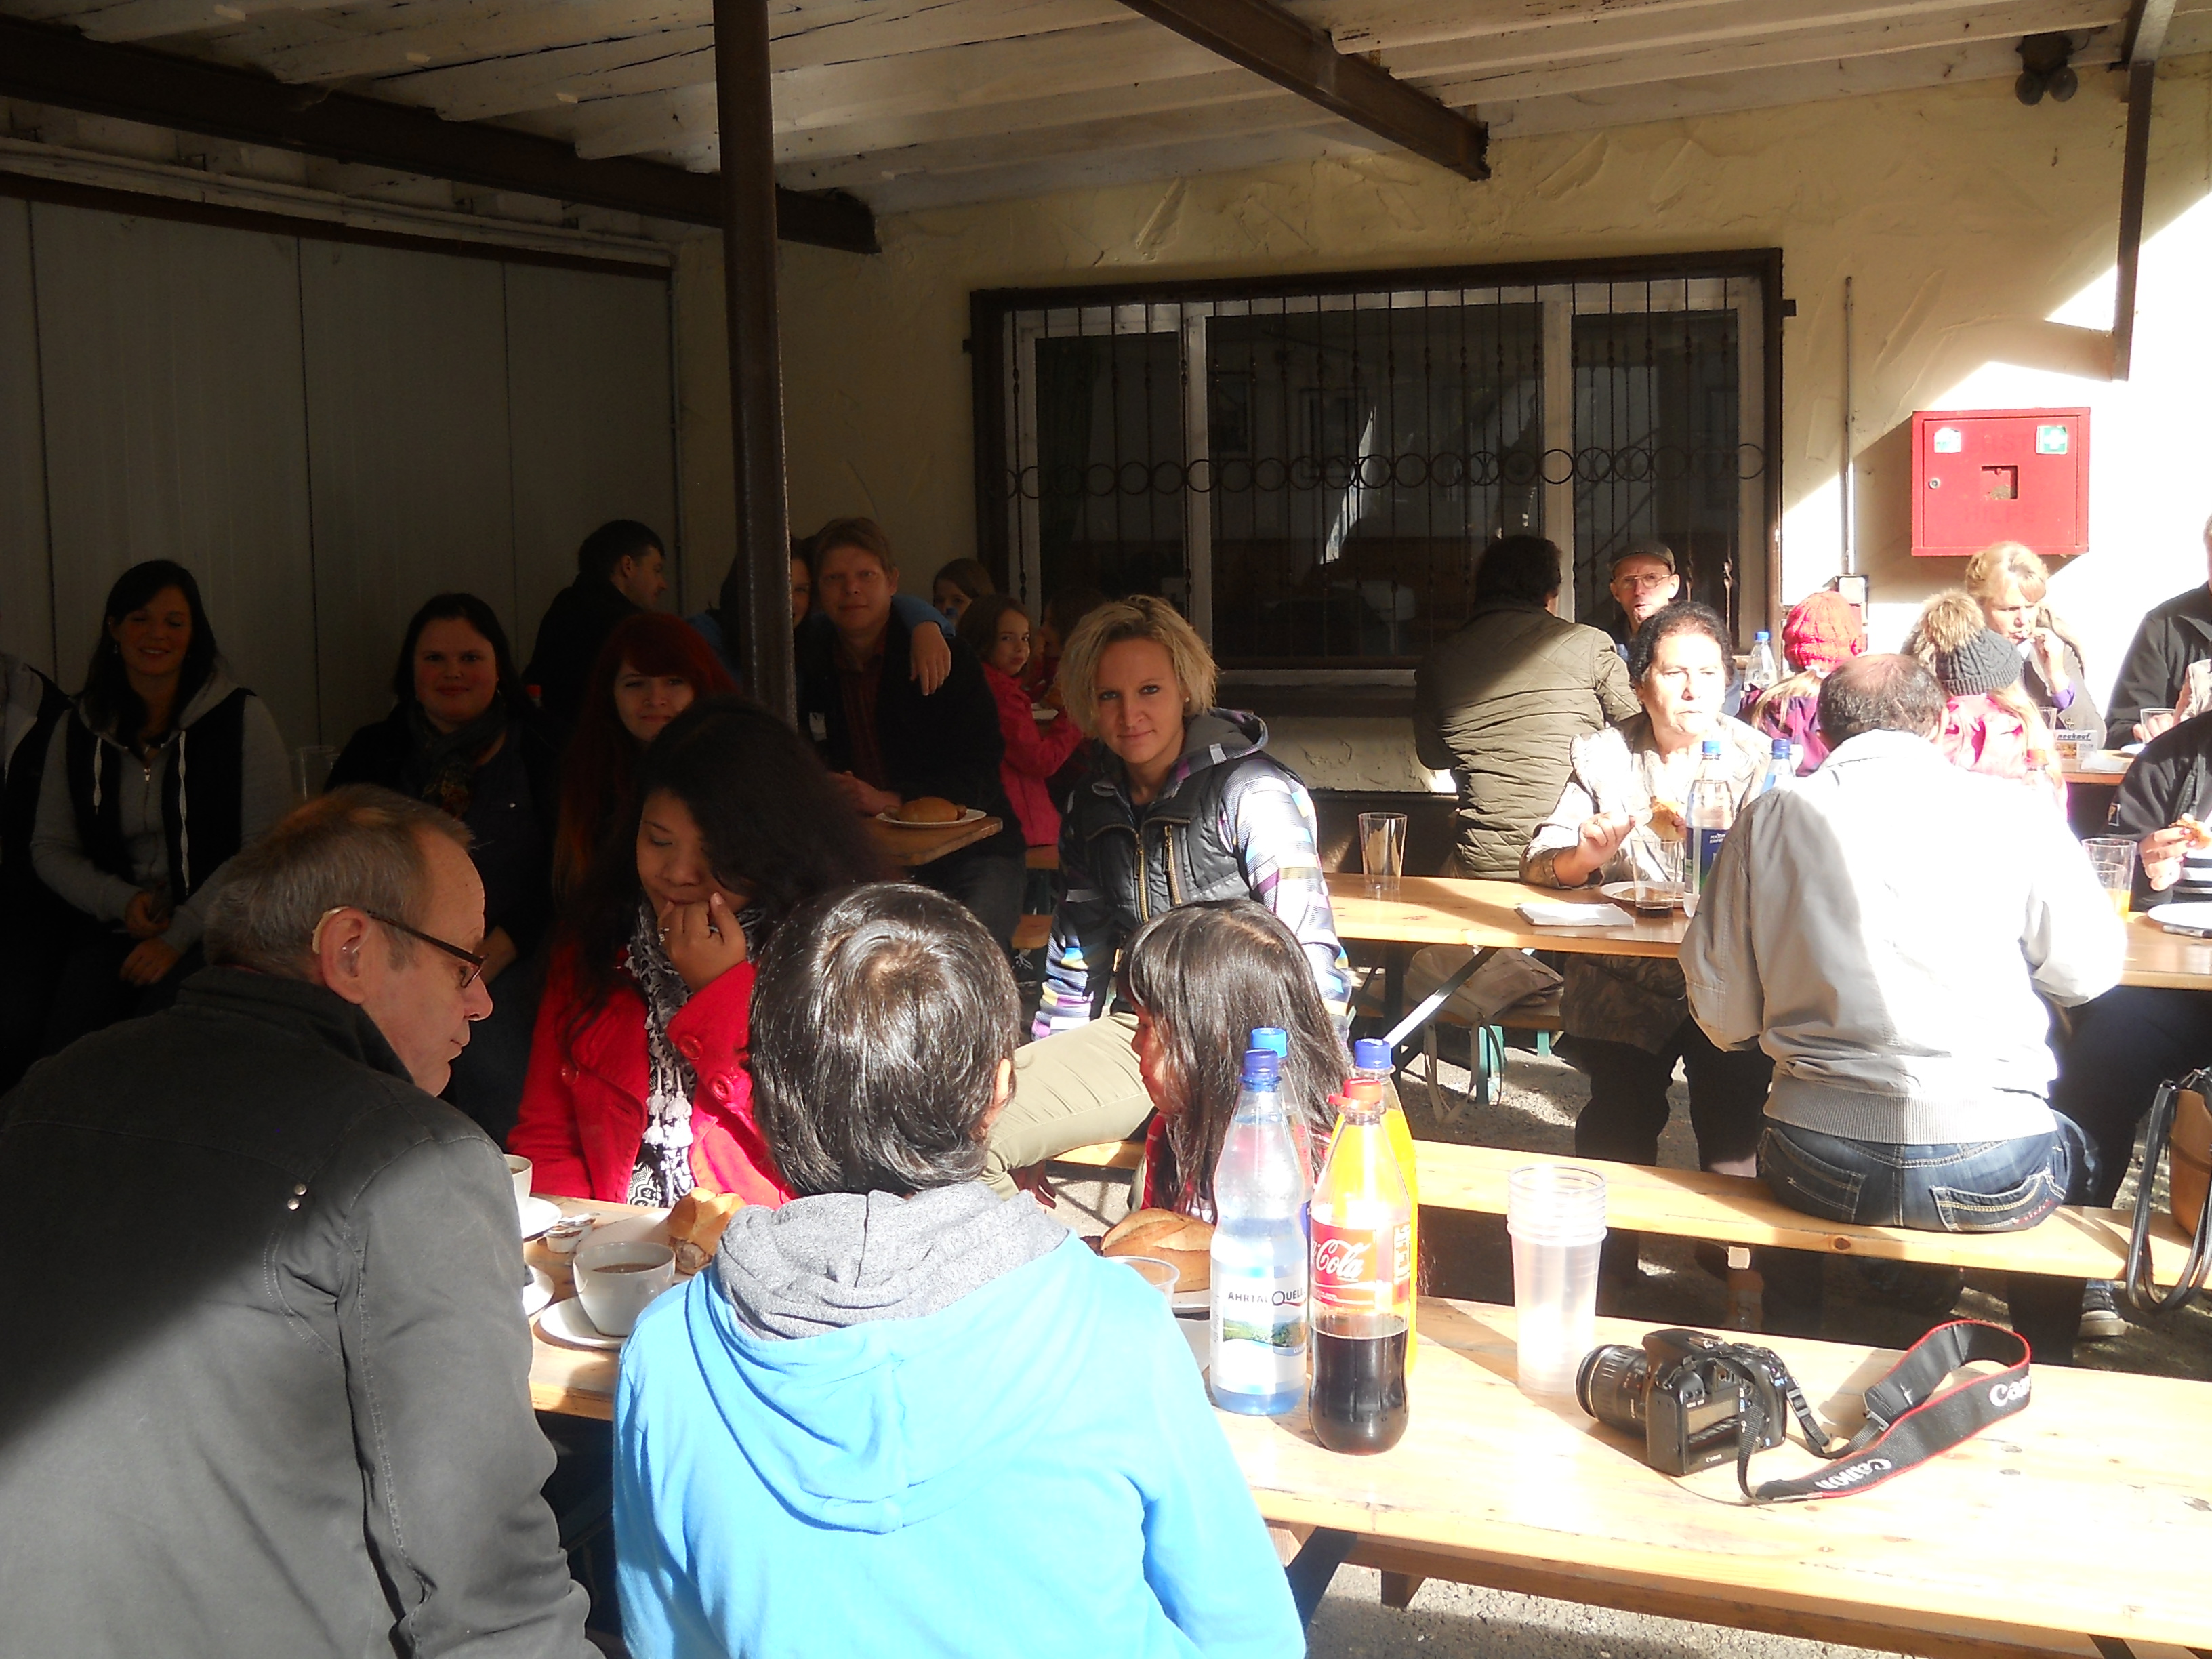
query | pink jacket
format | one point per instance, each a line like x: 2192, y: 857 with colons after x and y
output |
x: 1032, y: 755
x: 583, y: 1104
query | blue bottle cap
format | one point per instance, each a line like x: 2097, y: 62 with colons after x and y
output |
x: 1781, y: 751
x: 1261, y: 1068
x: 1712, y: 746
x: 1271, y: 1039
x: 1763, y: 635
x: 1371, y: 1054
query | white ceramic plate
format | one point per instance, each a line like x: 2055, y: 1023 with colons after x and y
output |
x: 1192, y: 1302
x: 2190, y: 916
x: 1624, y: 892
x: 967, y: 815
x: 565, y: 1322
x: 537, y: 1293
x: 538, y: 1214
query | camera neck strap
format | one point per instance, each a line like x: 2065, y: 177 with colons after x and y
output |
x: 1911, y: 1415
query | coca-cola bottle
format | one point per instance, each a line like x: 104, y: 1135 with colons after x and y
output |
x: 1362, y: 1276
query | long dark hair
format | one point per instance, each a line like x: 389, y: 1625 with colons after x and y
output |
x: 773, y: 823
x: 108, y: 699
x: 459, y: 607
x: 1207, y: 975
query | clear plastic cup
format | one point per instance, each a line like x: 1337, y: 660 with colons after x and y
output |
x: 1556, y: 1215
x: 2113, y: 859
x: 1162, y: 1276
x: 1383, y: 852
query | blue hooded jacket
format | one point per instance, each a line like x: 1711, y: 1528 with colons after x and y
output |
x: 1031, y: 1469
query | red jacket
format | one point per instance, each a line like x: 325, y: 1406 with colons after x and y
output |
x: 583, y: 1106
x: 1032, y: 755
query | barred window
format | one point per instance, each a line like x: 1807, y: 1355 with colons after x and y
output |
x: 1310, y: 469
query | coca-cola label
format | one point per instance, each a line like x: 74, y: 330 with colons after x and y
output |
x: 1361, y: 1269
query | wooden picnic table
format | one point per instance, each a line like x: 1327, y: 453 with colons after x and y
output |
x: 2111, y: 768
x: 913, y: 845
x: 1444, y: 910
x: 2090, y: 1511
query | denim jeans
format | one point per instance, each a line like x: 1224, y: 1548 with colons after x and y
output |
x: 1970, y: 1187
x: 1967, y: 1187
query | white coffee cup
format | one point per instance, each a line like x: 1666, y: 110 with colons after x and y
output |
x: 617, y: 1281
x: 518, y: 1170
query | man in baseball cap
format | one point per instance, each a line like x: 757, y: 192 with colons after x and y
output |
x: 1644, y: 582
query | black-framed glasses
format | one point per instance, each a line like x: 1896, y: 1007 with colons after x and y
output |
x: 476, y: 963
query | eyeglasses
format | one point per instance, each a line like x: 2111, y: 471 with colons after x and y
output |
x: 1657, y: 579
x: 475, y: 962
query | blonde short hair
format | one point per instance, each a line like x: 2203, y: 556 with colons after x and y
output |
x: 1989, y: 570
x: 1140, y: 616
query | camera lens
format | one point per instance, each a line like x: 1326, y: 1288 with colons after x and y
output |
x: 1611, y: 1385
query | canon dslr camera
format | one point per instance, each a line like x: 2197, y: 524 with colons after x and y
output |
x: 1686, y: 1393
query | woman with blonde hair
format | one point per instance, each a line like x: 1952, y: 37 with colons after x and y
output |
x: 1990, y: 724
x: 1181, y: 804
x: 2009, y: 582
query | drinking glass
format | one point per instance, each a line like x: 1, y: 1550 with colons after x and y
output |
x: 1383, y: 852
x: 2113, y: 859
x: 2154, y: 720
x: 313, y: 762
x: 1556, y: 1215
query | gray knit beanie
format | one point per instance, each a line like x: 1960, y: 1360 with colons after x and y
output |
x: 1986, y: 662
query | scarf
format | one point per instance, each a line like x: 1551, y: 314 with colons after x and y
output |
x: 442, y: 768
x: 663, y: 1173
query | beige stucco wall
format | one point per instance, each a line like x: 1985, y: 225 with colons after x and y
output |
x: 1980, y: 233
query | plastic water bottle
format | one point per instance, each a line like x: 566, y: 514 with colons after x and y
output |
x: 1781, y: 770
x: 1274, y: 1040
x: 1712, y: 810
x: 1764, y: 671
x: 1257, y: 1358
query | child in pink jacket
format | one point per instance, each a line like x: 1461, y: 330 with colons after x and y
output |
x: 1989, y: 725
x: 997, y: 630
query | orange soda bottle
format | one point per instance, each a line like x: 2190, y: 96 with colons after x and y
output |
x: 1366, y: 1085
x: 1362, y: 1270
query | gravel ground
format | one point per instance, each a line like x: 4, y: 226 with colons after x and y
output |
x: 1468, y: 1255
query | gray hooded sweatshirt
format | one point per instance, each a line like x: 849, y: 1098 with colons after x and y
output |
x: 60, y: 858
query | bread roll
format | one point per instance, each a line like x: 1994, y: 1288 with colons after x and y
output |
x: 696, y: 1224
x: 928, y: 809
x: 1168, y: 1236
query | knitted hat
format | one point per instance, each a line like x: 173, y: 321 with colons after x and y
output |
x: 1986, y: 662
x: 1823, y: 632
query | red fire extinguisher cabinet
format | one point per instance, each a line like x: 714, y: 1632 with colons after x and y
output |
x: 2000, y: 475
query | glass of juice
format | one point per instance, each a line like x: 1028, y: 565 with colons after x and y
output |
x: 2113, y: 859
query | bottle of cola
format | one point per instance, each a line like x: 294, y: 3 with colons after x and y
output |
x: 1362, y: 1276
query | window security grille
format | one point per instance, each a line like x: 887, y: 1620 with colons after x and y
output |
x: 1311, y: 472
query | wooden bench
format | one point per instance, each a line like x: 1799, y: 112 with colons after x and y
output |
x: 2072, y: 1244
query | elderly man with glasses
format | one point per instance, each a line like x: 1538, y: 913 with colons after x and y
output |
x: 269, y: 1380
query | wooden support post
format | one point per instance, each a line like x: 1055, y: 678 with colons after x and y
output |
x: 1399, y: 1590
x: 2139, y: 52
x: 756, y: 592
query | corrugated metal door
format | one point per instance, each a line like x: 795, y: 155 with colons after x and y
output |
x: 587, y: 366
x: 406, y: 379
x: 170, y: 359
x: 26, y: 623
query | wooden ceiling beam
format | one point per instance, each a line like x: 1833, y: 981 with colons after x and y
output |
x: 2005, y: 21
x: 1297, y: 55
x: 47, y: 65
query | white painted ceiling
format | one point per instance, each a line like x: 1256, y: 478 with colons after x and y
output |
x: 918, y: 103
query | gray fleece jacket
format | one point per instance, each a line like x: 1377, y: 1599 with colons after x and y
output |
x: 59, y: 856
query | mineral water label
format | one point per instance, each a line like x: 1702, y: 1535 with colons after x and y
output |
x: 1705, y: 847
x: 1361, y: 1269
x: 1259, y: 1322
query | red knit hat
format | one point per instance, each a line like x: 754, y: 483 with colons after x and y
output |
x: 1823, y: 632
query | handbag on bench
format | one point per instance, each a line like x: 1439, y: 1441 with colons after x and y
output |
x: 2180, y: 1126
